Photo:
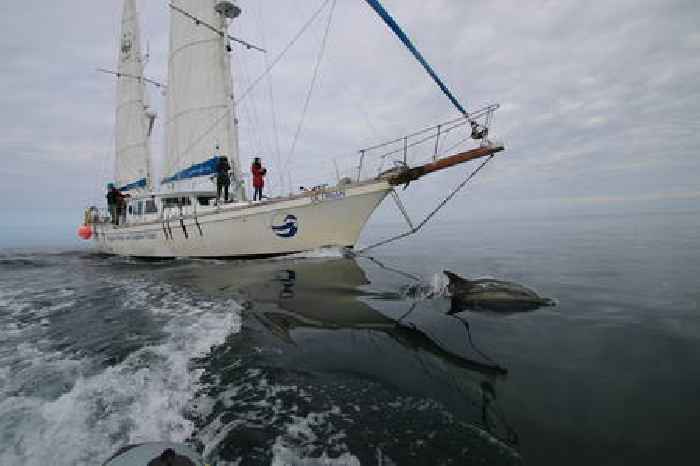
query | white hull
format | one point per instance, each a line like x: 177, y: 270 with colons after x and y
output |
x: 302, y: 223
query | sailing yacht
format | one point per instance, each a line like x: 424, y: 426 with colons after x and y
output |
x: 182, y: 216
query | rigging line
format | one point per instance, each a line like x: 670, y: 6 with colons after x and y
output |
x: 103, y: 174
x: 214, y: 29
x: 389, y: 20
x: 132, y: 76
x: 266, y: 145
x: 201, y: 137
x: 392, y: 269
x: 275, y: 130
x: 258, y: 142
x: 181, y: 113
x: 319, y: 59
x: 271, y: 95
x: 111, y: 158
x: 262, y: 144
x: 365, y: 114
x: 431, y: 214
x: 251, y: 110
x: 284, y: 51
x: 454, y: 192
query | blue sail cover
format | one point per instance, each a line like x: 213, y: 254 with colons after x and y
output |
x: 208, y: 167
x: 381, y: 11
x: 138, y: 184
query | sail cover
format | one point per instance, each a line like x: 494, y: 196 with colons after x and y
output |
x: 132, y: 156
x: 200, y: 96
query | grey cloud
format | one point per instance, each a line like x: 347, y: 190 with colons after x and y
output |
x: 597, y: 97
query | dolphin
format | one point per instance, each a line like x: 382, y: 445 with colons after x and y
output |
x: 486, y: 294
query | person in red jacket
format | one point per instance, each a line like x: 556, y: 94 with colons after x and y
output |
x: 258, y: 178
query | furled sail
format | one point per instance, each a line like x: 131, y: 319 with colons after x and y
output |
x: 132, y: 160
x: 201, y: 119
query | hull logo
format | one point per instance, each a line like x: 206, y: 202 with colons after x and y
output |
x: 288, y: 228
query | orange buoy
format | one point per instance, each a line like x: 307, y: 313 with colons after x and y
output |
x: 85, y: 232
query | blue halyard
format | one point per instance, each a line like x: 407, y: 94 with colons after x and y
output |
x: 208, y: 167
x: 393, y: 25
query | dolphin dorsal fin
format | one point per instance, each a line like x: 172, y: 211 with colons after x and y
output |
x: 454, y: 278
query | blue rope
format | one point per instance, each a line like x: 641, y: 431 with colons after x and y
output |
x: 381, y: 11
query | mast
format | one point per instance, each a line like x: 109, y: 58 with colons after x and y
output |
x: 201, y: 113
x: 132, y: 153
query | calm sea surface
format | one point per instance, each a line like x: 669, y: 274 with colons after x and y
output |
x: 326, y: 360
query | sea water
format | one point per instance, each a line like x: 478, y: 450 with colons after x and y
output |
x: 323, y: 359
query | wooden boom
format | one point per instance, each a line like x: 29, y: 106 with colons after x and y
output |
x: 407, y: 175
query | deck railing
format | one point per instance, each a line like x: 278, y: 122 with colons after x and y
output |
x: 425, y: 145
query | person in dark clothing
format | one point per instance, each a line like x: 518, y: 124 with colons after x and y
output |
x: 223, y: 180
x: 258, y: 178
x: 116, y: 201
x: 112, y: 202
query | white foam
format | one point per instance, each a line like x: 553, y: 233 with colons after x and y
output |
x: 249, y: 413
x: 9, y: 299
x: 284, y: 455
x: 295, y: 445
x: 144, y: 398
x: 29, y: 371
x: 4, y: 376
x: 439, y: 284
x: 319, y: 253
x: 22, y: 315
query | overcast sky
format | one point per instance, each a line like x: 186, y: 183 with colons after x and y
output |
x: 600, y: 100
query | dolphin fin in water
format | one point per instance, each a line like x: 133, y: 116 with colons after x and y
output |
x: 487, y: 294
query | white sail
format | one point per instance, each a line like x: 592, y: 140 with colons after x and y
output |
x: 132, y: 159
x: 200, y: 98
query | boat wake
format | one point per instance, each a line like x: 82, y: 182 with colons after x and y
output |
x: 61, y: 404
x: 97, y: 353
x: 435, y: 288
x: 319, y: 253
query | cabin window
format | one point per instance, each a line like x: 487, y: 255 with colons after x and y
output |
x: 205, y: 200
x: 176, y: 202
x: 151, y: 207
x: 170, y: 202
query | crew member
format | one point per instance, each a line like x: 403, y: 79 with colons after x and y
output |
x: 223, y: 180
x: 258, y: 178
x: 121, y: 207
x: 112, y: 202
x: 116, y: 203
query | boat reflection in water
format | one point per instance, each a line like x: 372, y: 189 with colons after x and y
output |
x: 322, y: 367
